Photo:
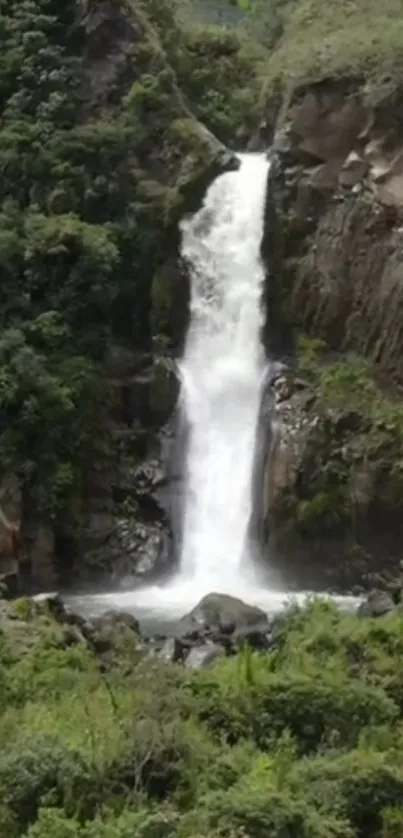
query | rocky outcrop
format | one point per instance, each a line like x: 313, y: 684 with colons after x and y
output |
x: 331, y: 496
x: 10, y: 524
x: 377, y: 604
x: 224, y: 612
x: 27, y: 556
x: 333, y: 246
x: 116, y: 637
x: 127, y: 533
x: 338, y: 201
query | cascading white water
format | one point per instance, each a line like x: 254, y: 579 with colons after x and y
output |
x: 222, y: 373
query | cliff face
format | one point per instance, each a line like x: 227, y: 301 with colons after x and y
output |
x: 100, y: 155
x: 339, y: 187
x: 334, y: 245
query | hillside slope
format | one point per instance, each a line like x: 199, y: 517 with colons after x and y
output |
x: 100, y: 154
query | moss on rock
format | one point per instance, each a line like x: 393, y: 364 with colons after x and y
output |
x: 336, y: 468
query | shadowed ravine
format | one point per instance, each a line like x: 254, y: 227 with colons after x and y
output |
x: 223, y: 372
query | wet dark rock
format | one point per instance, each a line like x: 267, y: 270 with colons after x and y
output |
x: 149, y: 477
x: 254, y: 636
x: 110, y: 628
x: 228, y: 628
x: 141, y: 549
x: 81, y: 623
x: 346, y: 420
x: 221, y: 621
x: 221, y: 610
x: 396, y: 592
x: 172, y: 651
x: 51, y: 603
x: 148, y: 396
x: 170, y: 297
x: 72, y: 636
x: 188, y: 632
x: 217, y: 160
x: 222, y: 639
x: 202, y: 656
x: 9, y: 585
x: 117, y: 618
x: 377, y: 604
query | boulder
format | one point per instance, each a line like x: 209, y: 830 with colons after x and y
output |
x: 172, y: 651
x: 377, y: 604
x: 255, y: 636
x: 42, y: 554
x: 326, y: 122
x: 111, y: 629
x: 9, y: 585
x: 223, y: 611
x: 113, y: 618
x: 148, y: 396
x: 353, y: 169
x: 390, y: 192
x: 202, y: 656
x: 134, y: 549
x: 50, y: 603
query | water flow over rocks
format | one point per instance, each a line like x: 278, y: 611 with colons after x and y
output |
x: 223, y: 372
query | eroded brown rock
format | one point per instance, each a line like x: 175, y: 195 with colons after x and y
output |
x: 339, y: 236
x: 10, y: 524
x: 331, y: 508
x: 327, y: 121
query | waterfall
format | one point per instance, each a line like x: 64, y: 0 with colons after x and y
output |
x: 222, y: 374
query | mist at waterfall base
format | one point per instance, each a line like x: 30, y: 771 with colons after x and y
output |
x: 222, y: 371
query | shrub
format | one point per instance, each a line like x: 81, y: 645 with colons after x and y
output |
x: 392, y: 823
x: 43, y: 768
x: 141, y: 823
x: 264, y: 812
x: 316, y: 708
x: 303, y: 742
x: 362, y: 784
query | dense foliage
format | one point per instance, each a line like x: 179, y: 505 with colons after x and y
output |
x: 311, y: 39
x: 97, y: 146
x: 68, y: 254
x: 303, y: 741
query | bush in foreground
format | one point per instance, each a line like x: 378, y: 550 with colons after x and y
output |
x: 304, y: 742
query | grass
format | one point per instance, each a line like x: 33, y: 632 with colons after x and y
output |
x: 320, y: 40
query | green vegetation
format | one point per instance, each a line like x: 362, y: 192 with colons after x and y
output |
x: 102, y: 149
x: 349, y: 385
x: 220, y: 72
x: 347, y: 37
x: 354, y: 454
x: 305, y: 740
x: 312, y: 40
x: 99, y: 156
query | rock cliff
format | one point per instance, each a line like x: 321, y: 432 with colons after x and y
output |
x: 334, y: 247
